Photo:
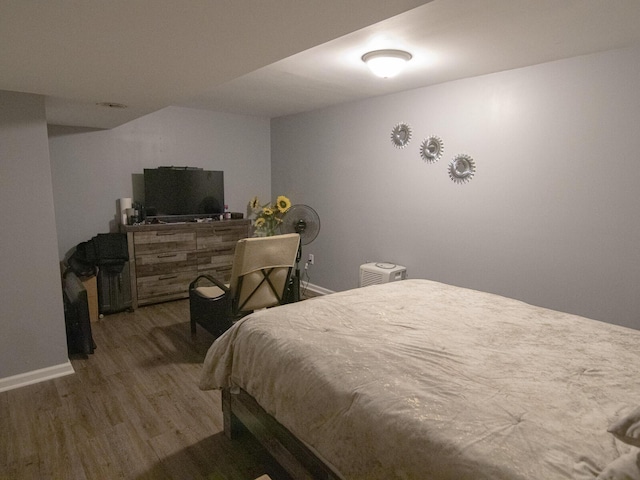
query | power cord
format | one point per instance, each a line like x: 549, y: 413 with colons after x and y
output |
x: 305, y: 273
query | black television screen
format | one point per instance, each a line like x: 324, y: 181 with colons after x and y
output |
x: 183, y: 191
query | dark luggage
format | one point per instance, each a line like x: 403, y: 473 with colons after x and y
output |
x: 76, y: 316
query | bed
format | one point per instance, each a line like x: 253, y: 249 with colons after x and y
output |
x: 422, y: 380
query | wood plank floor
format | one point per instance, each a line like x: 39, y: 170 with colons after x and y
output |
x: 133, y: 410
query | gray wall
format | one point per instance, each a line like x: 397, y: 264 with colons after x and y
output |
x: 31, y: 312
x: 550, y: 218
x: 92, y: 169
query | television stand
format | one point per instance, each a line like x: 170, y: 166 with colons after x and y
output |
x: 164, y: 258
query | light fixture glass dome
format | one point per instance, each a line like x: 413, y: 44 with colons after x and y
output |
x: 386, y: 63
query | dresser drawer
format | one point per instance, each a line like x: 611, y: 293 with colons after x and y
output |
x: 222, y: 256
x: 220, y: 236
x: 165, y: 263
x: 164, y: 241
x: 165, y: 287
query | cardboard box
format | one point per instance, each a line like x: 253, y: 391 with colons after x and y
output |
x: 91, y: 286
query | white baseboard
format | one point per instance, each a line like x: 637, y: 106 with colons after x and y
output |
x: 316, y: 289
x: 36, y: 376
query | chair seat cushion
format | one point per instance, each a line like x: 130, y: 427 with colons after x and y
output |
x: 209, y: 292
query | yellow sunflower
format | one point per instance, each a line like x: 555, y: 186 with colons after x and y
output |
x: 268, y: 211
x: 254, y: 203
x: 259, y: 222
x: 283, y: 203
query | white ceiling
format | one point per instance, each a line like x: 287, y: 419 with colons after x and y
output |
x: 277, y: 57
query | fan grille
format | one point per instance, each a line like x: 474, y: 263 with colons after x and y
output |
x: 304, y: 220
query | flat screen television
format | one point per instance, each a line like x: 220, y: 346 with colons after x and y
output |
x: 171, y: 191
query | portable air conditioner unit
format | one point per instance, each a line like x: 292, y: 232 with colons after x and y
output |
x: 380, y: 272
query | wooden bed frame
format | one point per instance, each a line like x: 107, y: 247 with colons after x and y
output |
x: 241, y: 412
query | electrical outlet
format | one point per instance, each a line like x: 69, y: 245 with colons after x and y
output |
x: 312, y: 259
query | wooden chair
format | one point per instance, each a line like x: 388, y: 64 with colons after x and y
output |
x: 259, y: 279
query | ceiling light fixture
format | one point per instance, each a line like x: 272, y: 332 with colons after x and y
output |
x: 386, y: 63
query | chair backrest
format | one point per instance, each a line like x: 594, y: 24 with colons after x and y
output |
x: 261, y: 271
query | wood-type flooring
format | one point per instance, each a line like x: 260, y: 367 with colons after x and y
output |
x: 132, y: 410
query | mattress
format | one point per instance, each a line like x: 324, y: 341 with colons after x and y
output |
x: 422, y: 380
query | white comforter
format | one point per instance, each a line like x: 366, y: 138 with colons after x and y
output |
x: 421, y: 380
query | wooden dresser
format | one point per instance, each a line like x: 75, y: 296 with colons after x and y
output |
x: 165, y: 258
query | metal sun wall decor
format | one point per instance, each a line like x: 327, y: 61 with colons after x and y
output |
x: 462, y: 168
x: 401, y: 135
x: 432, y: 149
